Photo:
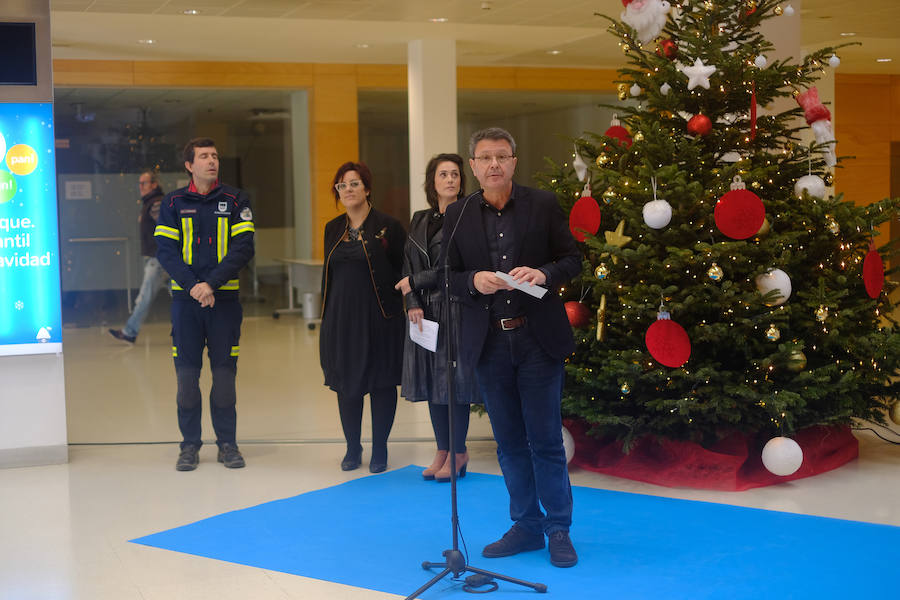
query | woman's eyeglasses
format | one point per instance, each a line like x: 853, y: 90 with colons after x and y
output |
x: 340, y: 187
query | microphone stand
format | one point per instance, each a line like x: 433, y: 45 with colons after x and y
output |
x: 454, y: 560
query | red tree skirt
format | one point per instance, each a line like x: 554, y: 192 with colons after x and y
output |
x: 732, y: 464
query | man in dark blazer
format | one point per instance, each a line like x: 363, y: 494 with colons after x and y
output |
x: 518, y: 341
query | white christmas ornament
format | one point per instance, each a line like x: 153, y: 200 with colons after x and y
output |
x: 834, y: 61
x: 647, y: 17
x: 761, y: 61
x: 789, y: 10
x: 635, y: 90
x: 782, y: 456
x: 775, y: 279
x: 568, y: 444
x: 813, y: 184
x: 657, y: 214
x: 664, y: 89
x: 698, y: 74
x: 580, y: 166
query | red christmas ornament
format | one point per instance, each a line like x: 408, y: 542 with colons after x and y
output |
x: 584, y: 217
x: 739, y: 213
x: 699, y: 125
x: 667, y: 48
x: 668, y: 342
x: 579, y: 314
x: 873, y: 272
x: 618, y: 132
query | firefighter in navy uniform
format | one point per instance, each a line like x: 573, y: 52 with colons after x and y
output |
x: 205, y: 237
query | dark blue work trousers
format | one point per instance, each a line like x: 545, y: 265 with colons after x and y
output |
x: 217, y: 328
x: 521, y: 386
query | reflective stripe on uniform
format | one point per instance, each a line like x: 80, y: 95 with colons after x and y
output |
x: 169, y: 232
x: 187, y: 248
x: 235, y: 350
x: 175, y: 286
x: 238, y: 228
x: 175, y: 351
x: 231, y: 284
x: 222, y: 238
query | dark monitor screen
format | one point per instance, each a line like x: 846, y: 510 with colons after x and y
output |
x: 18, y: 65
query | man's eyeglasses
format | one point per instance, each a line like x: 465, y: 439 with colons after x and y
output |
x: 488, y: 159
x: 340, y: 187
x: 143, y: 183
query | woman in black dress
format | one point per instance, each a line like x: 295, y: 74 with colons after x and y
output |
x: 424, y: 372
x: 363, y: 325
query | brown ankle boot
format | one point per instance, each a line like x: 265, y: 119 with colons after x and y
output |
x: 436, y: 464
x: 444, y: 474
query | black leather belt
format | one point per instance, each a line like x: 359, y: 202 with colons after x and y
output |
x: 509, y: 324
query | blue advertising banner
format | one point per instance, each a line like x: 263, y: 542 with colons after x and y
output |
x: 30, y: 320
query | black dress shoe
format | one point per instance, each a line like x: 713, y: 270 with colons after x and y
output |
x: 352, y: 459
x: 516, y: 540
x: 120, y: 335
x: 378, y: 462
x: 562, y: 552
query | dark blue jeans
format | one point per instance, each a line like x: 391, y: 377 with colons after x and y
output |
x: 521, y: 387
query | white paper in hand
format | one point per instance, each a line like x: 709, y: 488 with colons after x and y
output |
x: 534, y: 290
x: 427, y: 338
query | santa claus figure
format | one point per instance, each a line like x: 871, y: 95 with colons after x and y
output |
x: 647, y: 17
x: 818, y: 117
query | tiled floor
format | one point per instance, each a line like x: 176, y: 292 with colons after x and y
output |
x: 64, y: 529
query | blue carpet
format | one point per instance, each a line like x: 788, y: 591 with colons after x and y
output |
x: 374, y: 532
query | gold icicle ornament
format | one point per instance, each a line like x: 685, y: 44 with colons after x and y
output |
x: 601, y: 319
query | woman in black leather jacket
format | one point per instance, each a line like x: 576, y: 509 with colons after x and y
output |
x: 363, y: 325
x: 424, y: 372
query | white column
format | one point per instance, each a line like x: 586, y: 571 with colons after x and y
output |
x: 432, y: 109
x: 302, y: 177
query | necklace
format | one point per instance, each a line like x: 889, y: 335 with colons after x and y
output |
x: 353, y: 233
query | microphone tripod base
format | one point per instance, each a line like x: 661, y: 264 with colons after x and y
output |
x: 455, y: 563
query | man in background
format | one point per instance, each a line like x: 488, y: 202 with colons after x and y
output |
x: 155, y: 276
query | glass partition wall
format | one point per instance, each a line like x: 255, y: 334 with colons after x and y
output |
x: 106, y: 137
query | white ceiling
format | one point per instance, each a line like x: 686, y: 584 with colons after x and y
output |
x: 509, y: 33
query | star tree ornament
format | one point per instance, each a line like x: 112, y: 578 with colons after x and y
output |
x: 617, y: 238
x: 698, y: 74
x: 667, y: 341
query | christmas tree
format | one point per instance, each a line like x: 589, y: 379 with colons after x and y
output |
x: 779, y: 311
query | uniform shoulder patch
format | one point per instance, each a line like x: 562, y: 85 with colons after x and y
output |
x: 246, y: 214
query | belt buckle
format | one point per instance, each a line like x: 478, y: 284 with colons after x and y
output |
x: 503, y: 324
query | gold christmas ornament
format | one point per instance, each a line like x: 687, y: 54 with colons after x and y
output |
x: 821, y: 313
x: 795, y: 93
x: 773, y: 334
x: 601, y: 272
x: 625, y: 389
x: 895, y: 412
x: 609, y: 195
x: 602, y: 159
x: 828, y: 179
x: 751, y: 6
x: 623, y: 95
x: 617, y: 237
x: 638, y: 137
x: 715, y: 272
x: 796, y: 361
x: 755, y: 185
x: 601, y: 319
x: 778, y: 11
x: 764, y: 229
x: 832, y: 225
